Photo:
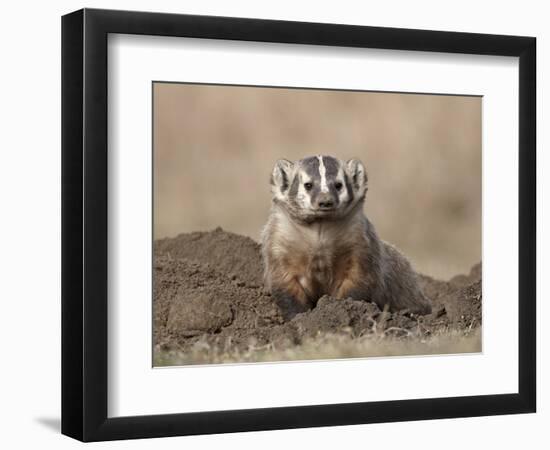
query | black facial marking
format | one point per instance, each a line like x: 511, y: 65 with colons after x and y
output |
x: 332, y: 165
x: 293, y: 189
x: 334, y: 193
x: 311, y: 167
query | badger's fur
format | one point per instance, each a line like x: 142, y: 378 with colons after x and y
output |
x: 318, y: 241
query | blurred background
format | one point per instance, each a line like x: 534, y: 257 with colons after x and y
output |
x: 215, y: 147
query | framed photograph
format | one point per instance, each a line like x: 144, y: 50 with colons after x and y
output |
x: 271, y: 224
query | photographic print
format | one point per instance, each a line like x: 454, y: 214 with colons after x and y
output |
x: 311, y: 224
x: 237, y: 205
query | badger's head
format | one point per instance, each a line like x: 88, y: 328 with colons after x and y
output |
x: 318, y: 187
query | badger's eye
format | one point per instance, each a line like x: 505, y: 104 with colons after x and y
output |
x: 338, y: 185
x: 308, y: 186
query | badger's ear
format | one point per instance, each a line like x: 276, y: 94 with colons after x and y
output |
x: 357, y: 175
x: 282, y: 175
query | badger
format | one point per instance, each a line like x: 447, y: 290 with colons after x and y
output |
x: 318, y: 241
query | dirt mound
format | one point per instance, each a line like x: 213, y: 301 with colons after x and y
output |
x: 236, y: 257
x: 208, y: 291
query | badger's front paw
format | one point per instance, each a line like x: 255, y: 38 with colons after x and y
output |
x: 288, y: 305
x: 422, y: 308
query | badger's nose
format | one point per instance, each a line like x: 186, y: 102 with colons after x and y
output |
x: 325, y: 201
x: 326, y: 204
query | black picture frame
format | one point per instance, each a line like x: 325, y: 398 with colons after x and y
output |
x: 84, y: 224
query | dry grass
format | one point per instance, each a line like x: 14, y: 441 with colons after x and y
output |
x: 329, y: 346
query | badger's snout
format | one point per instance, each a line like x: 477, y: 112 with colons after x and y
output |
x: 325, y: 201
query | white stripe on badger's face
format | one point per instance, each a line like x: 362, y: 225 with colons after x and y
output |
x: 303, y: 197
x: 343, y: 195
x: 323, y: 174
